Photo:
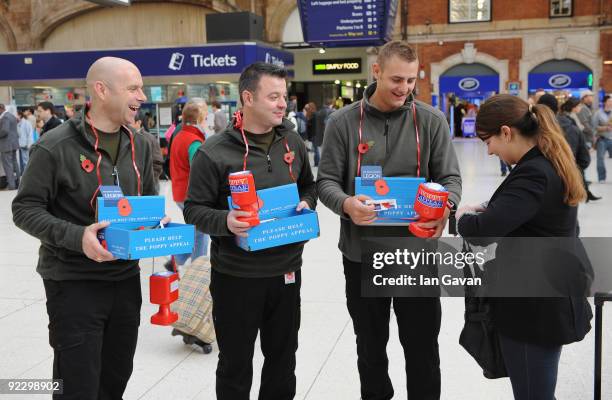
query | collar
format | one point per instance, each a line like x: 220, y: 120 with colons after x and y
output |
x: 281, y: 130
x: 371, y: 109
x: 193, y: 129
x: 531, y: 154
x: 79, y: 123
x: 2, y: 115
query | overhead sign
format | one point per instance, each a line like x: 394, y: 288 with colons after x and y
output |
x: 336, y: 66
x: 172, y: 61
x: 469, y: 86
x: 335, y: 23
x: 557, y: 81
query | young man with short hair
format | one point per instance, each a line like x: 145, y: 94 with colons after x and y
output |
x: 386, y: 119
x: 253, y: 292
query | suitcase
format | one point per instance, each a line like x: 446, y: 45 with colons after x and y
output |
x: 600, y: 299
x: 194, y: 306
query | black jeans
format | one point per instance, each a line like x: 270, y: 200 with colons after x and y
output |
x: 93, y: 328
x: 242, y: 307
x: 418, y: 321
x: 532, y: 368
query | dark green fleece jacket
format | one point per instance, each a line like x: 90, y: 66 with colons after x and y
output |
x: 53, y: 202
x: 394, y: 148
x: 206, y: 204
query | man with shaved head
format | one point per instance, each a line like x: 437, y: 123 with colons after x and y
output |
x: 93, y: 299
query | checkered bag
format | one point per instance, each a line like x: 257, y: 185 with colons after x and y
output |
x: 194, y: 305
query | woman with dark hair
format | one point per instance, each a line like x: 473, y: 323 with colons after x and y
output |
x: 569, y: 122
x: 539, y: 198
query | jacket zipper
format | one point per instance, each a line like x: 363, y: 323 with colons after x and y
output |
x: 269, y: 161
x: 386, y: 138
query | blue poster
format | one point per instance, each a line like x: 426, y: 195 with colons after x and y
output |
x: 171, y: 61
x: 335, y: 23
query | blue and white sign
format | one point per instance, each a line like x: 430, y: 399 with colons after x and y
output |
x: 201, y: 60
x: 560, y: 81
x: 336, y: 23
x: 565, y: 80
x: 467, y: 86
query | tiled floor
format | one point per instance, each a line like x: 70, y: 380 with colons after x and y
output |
x: 326, y: 360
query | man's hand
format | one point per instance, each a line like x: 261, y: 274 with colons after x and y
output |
x: 360, y: 213
x: 235, y: 226
x: 165, y: 221
x: 438, y: 224
x: 91, y: 245
x: 301, y: 206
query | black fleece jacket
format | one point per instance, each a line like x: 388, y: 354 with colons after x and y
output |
x: 53, y: 202
x: 206, y: 204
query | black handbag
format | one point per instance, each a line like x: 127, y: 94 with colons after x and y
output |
x: 479, y: 336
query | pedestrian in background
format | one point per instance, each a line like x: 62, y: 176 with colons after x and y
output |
x: 9, y: 146
x: 26, y: 139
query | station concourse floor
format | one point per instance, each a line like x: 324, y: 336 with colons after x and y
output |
x: 165, y: 368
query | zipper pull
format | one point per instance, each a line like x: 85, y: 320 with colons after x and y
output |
x: 269, y: 163
x: 116, y: 175
x: 386, y: 126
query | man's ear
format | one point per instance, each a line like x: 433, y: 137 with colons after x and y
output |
x: 100, y: 89
x: 247, y: 97
x: 376, y: 70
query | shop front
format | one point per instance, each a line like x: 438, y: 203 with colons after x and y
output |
x: 561, y: 78
x: 339, y: 74
x: 463, y: 89
x: 170, y: 75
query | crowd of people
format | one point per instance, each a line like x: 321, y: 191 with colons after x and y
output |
x: 93, y: 299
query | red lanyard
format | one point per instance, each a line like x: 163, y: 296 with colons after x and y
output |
x: 239, y: 125
x: 95, y: 132
x: 416, y: 129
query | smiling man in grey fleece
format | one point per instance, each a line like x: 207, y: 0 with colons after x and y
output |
x: 387, y: 119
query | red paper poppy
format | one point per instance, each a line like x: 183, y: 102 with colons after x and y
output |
x: 124, y: 206
x: 104, y: 244
x: 289, y: 157
x: 87, y: 165
x: 363, y: 148
x: 260, y: 202
x: 381, y: 187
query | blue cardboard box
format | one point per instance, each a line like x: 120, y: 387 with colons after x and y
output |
x: 280, y: 223
x: 126, y: 239
x: 401, y: 189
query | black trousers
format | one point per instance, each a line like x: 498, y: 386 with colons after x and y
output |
x: 242, y: 307
x: 418, y: 321
x: 93, y: 328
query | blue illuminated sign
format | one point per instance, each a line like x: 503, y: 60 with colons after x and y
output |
x: 469, y: 85
x: 336, y: 23
x: 201, y: 60
x: 556, y: 81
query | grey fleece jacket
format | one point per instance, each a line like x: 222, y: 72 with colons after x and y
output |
x: 394, y: 149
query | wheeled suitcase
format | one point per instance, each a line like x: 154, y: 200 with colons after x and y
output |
x: 600, y: 299
x: 194, y: 306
